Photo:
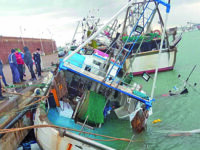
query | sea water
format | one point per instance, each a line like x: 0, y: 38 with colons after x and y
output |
x: 177, y: 113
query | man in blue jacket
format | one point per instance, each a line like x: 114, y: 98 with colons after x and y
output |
x: 29, y: 62
x: 13, y: 66
x: 2, y: 74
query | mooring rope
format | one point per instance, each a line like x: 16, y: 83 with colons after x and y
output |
x: 110, y: 138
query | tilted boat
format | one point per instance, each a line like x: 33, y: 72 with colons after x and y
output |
x: 87, y: 91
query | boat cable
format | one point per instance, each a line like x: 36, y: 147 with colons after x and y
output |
x: 4, y: 131
x: 16, y: 93
x: 130, y: 142
x: 131, y: 63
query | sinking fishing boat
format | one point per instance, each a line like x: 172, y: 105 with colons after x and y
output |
x: 89, y: 94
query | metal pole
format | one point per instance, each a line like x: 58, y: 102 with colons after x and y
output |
x: 21, y: 35
x: 41, y: 43
x: 84, y: 124
x: 51, y: 40
x: 74, y: 34
x: 159, y: 54
x: 99, y: 31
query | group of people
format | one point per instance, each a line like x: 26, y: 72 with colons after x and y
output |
x: 17, y: 61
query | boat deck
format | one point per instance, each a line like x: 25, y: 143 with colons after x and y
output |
x: 99, y: 79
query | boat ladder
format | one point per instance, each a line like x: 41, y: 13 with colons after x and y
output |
x: 137, y: 30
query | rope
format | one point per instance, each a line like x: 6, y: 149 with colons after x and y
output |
x: 130, y: 64
x: 25, y: 85
x: 130, y: 142
x: 3, y: 131
x: 15, y: 111
x: 14, y: 93
x: 20, y: 109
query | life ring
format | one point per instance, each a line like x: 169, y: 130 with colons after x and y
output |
x: 157, y: 31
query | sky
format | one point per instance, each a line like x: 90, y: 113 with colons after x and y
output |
x: 57, y: 19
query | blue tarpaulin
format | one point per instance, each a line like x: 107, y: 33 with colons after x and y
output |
x: 76, y: 60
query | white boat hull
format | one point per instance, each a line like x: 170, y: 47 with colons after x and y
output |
x: 148, y: 61
x: 52, y: 139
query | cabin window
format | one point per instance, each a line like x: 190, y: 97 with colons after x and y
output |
x: 89, y: 52
x: 88, y: 68
x: 97, y: 63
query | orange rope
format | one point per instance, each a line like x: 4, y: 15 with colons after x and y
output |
x: 3, y: 131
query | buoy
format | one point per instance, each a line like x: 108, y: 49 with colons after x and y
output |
x: 156, y: 121
x: 38, y: 91
x: 157, y: 31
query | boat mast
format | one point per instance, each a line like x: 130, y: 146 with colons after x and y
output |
x: 99, y: 31
x: 161, y: 45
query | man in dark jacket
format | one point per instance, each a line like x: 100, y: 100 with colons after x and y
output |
x: 13, y: 66
x: 37, y: 59
x: 2, y: 74
x: 29, y: 62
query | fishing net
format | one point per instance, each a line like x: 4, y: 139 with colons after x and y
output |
x: 93, y: 108
x: 147, y: 37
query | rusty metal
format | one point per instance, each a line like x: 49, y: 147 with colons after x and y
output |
x: 10, y: 141
x: 60, y: 85
x: 139, y: 121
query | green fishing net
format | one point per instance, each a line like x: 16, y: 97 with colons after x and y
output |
x: 147, y: 37
x: 93, y: 107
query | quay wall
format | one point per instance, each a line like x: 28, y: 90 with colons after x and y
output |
x: 47, y: 46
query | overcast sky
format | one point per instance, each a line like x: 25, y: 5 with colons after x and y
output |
x: 57, y: 18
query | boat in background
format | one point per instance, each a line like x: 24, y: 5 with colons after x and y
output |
x: 144, y: 54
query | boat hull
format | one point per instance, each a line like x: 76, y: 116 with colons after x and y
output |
x: 51, y: 139
x: 147, y: 62
x: 10, y: 141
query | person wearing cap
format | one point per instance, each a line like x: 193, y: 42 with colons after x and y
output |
x: 13, y: 66
x: 37, y: 59
x: 20, y: 63
x: 2, y: 74
x: 29, y: 62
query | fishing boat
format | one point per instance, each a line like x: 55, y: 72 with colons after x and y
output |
x: 144, y: 54
x: 88, y: 94
x: 145, y: 49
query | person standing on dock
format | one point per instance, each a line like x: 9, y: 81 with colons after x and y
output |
x: 37, y: 59
x: 2, y: 74
x: 24, y: 67
x: 13, y: 66
x: 20, y: 63
x: 29, y: 62
x: 1, y: 96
